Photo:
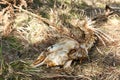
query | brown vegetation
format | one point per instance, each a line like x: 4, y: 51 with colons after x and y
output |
x: 29, y: 28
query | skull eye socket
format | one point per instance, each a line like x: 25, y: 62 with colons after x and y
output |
x: 72, y: 50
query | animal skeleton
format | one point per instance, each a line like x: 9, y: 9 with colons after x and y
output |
x: 67, y: 49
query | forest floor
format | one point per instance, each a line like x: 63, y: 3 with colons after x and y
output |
x: 29, y: 27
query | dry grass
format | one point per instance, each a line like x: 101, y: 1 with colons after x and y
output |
x: 24, y: 36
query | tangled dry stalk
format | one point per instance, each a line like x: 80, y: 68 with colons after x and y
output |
x: 25, y: 35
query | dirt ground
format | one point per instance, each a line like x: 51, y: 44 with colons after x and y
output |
x: 28, y: 27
